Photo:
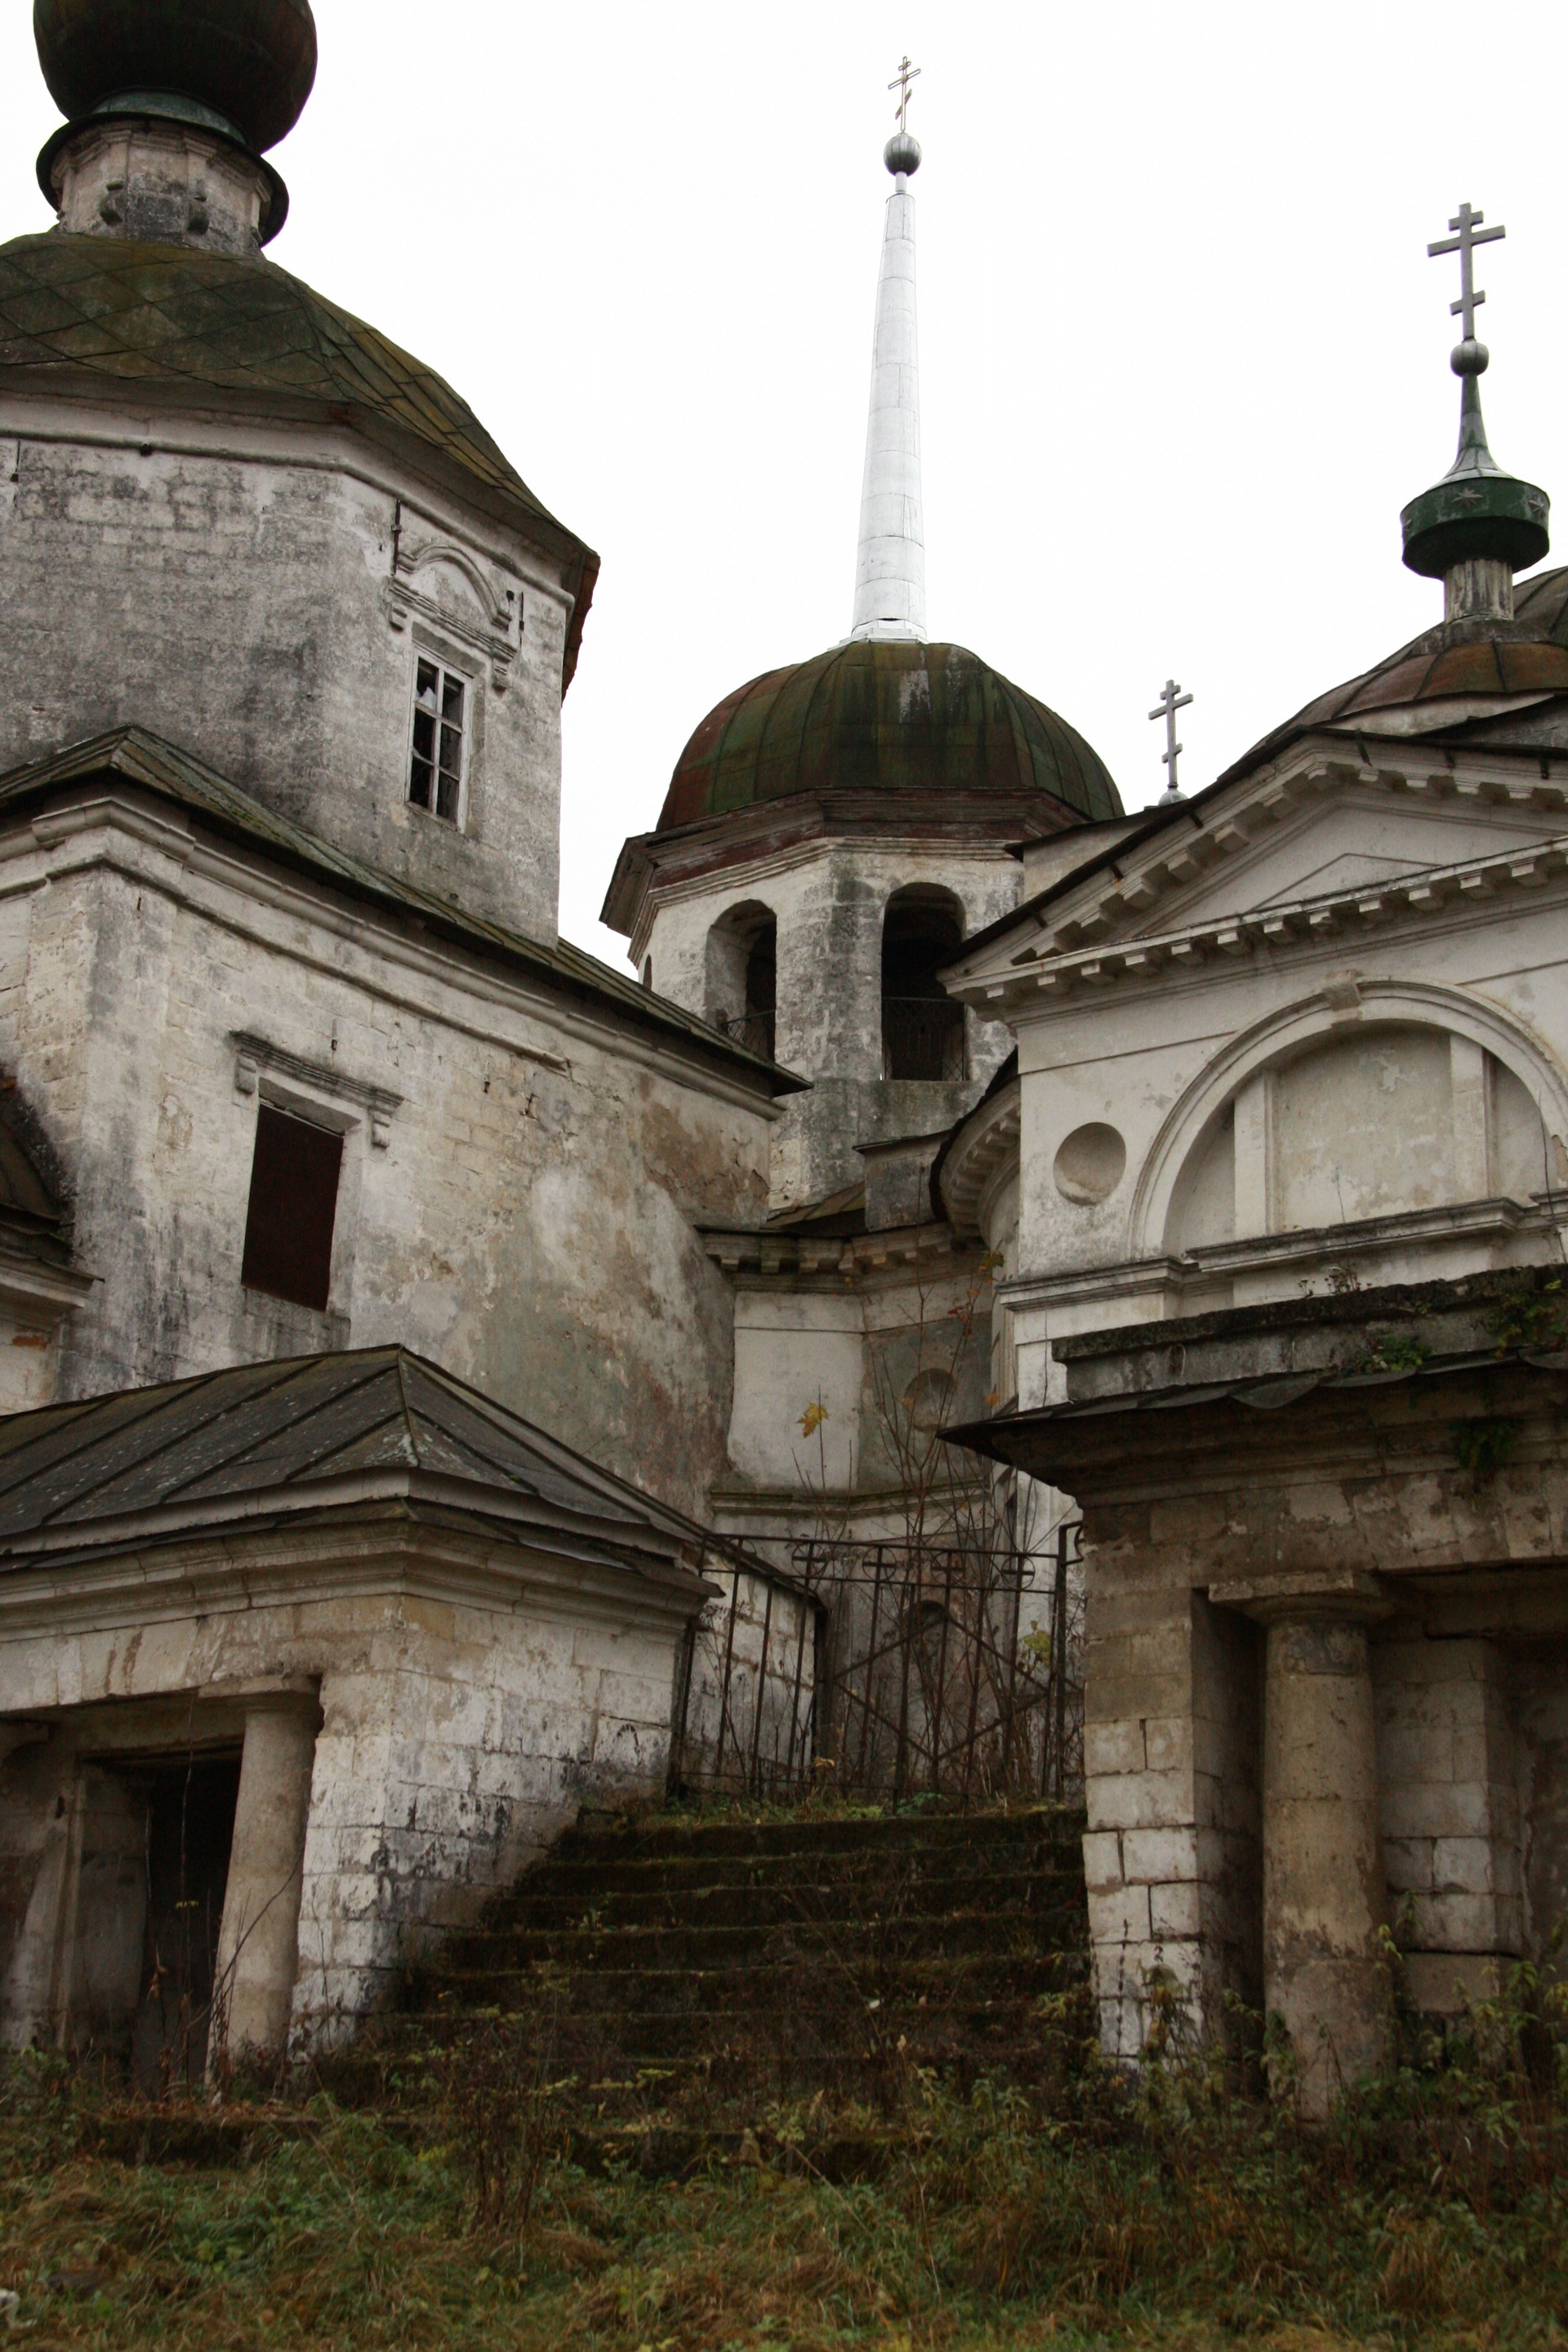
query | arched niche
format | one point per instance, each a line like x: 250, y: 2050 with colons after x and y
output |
x: 923, y: 1026
x: 741, y: 975
x: 1342, y: 1122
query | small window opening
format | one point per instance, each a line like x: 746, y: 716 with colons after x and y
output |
x: 436, y: 767
x: 923, y: 1026
x: 647, y: 972
x: 293, y: 1209
x: 742, y: 976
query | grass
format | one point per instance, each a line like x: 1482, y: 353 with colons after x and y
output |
x: 1182, y: 2211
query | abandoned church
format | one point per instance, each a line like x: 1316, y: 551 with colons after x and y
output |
x: 1006, y: 1300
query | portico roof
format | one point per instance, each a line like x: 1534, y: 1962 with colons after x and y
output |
x: 268, y: 1443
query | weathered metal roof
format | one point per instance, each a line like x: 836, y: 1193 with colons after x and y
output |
x: 878, y: 716
x: 218, y: 326
x: 370, y: 1426
x: 1484, y: 669
x: 134, y: 756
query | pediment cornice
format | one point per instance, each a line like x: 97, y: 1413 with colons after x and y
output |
x: 1107, y: 928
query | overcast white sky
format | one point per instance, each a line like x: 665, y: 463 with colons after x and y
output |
x: 1184, y: 357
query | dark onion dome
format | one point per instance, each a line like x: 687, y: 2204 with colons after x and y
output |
x: 893, y: 716
x: 97, y: 311
x: 250, y: 63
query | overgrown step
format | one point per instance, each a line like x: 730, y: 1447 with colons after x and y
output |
x: 673, y: 1962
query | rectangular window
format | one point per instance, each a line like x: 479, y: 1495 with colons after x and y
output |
x: 436, y: 765
x: 293, y: 1208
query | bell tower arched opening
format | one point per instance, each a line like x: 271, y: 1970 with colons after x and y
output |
x: 743, y: 976
x: 923, y: 1026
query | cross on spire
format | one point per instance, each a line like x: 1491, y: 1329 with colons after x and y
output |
x: 1471, y: 235
x: 1172, y: 699
x: 907, y: 73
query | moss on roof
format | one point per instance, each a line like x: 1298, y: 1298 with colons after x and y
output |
x: 106, y: 309
x: 877, y: 717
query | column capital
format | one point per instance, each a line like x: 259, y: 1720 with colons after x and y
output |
x: 1308, y: 1595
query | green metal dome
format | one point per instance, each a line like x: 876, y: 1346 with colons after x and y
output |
x: 244, y: 65
x: 877, y: 717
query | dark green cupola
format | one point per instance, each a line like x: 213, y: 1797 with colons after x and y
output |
x: 1478, y: 526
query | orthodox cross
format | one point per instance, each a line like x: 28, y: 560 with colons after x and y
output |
x: 1172, y: 699
x: 1471, y: 235
x: 907, y: 73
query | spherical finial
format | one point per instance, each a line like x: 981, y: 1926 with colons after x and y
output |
x: 247, y: 65
x: 901, y: 154
x: 1469, y: 358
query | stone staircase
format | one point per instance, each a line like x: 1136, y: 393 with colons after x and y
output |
x: 686, y: 1968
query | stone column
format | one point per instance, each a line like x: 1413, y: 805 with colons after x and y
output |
x: 260, y: 1936
x: 1324, y: 1898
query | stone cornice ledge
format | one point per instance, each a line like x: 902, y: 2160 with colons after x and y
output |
x: 1079, y: 947
x: 292, y: 1570
x: 1317, y: 1245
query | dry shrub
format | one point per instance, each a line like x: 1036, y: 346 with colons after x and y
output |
x: 506, y: 2110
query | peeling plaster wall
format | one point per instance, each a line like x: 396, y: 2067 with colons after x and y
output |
x: 230, y: 586
x: 526, y: 1223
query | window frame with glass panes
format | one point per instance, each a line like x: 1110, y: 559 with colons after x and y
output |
x: 438, y: 738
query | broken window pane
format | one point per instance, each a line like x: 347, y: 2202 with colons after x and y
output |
x: 293, y: 1209
x: 436, y: 759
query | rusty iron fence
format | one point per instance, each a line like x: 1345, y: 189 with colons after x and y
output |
x: 890, y: 1669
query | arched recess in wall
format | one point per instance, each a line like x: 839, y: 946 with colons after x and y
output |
x: 1398, y: 1098
x: 923, y: 1026
x: 741, y: 977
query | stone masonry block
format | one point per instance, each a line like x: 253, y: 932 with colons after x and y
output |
x: 1415, y: 1752
x: 1120, y: 1916
x: 1101, y: 1859
x: 1456, y: 1923
x: 1407, y: 1864
x: 1175, y: 1910
x: 1138, y: 1800
x: 1113, y: 1748
x: 1451, y: 1809
x: 1124, y: 1611
x: 1168, y: 1743
x: 1155, y: 1856
x: 1134, y: 1698
x: 1464, y: 1867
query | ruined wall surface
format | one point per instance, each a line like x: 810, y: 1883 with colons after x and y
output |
x: 259, y: 594
x: 1172, y: 1850
x: 827, y: 898
x: 460, y: 1732
x: 523, y: 1216
x: 1205, y: 1530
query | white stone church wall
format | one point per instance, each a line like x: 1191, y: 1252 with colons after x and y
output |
x: 231, y: 588
x: 526, y: 1222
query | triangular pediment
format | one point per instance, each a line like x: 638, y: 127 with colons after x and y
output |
x: 1285, y: 848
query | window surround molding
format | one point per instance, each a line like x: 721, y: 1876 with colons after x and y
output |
x: 490, y: 635
x: 256, y: 1059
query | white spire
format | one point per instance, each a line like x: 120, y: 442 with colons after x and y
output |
x: 890, y: 572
